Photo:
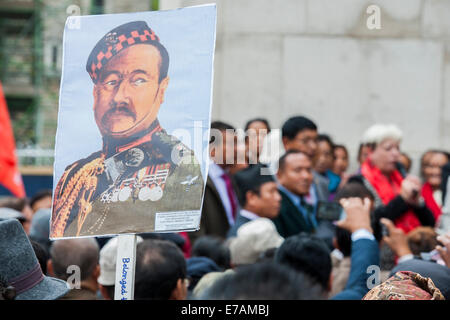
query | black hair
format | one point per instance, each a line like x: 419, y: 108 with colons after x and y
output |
x: 308, y: 254
x: 295, y: 125
x: 81, y: 252
x: 249, y: 122
x: 41, y: 254
x: 41, y: 194
x: 360, y: 148
x: 264, y: 281
x: 409, y: 161
x: 251, y: 180
x: 282, y: 160
x: 344, y: 241
x: 341, y: 146
x: 17, y: 204
x: 220, y: 126
x: 242, y: 196
x: 326, y: 138
x: 214, y: 248
x: 355, y: 188
x: 175, y: 238
x: 159, y: 266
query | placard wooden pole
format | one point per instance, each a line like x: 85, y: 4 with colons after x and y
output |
x: 125, y: 267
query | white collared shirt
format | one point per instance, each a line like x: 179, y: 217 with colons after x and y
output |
x: 248, y: 214
x: 215, y: 173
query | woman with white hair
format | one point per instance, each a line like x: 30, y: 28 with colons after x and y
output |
x: 397, y: 196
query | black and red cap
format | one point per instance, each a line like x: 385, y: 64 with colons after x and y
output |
x: 118, y: 39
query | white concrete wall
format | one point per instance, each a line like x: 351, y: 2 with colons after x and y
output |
x: 278, y: 58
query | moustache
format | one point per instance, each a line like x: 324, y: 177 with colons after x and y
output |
x: 122, y: 108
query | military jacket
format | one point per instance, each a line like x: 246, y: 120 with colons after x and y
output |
x: 122, y: 193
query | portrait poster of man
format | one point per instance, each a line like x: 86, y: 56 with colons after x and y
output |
x: 133, y: 122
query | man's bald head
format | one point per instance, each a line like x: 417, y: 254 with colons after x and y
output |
x: 83, y: 253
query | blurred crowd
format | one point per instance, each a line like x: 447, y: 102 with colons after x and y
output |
x: 282, y: 218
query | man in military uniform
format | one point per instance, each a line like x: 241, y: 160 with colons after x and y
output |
x: 141, y: 171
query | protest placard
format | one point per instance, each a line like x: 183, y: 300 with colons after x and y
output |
x: 133, y: 123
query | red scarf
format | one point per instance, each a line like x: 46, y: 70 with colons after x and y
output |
x: 387, y: 190
x: 427, y: 194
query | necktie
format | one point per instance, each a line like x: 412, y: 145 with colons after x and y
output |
x: 230, y: 193
x: 309, y: 212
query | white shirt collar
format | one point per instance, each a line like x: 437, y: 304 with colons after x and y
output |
x: 249, y: 215
x: 215, y: 171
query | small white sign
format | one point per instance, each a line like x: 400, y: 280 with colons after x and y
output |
x: 177, y: 220
x: 125, y: 267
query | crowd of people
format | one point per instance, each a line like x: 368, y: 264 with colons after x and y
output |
x: 288, y: 222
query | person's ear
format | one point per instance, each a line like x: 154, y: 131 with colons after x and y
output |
x: 96, y: 272
x: 50, y: 268
x: 250, y: 198
x: 285, y: 141
x: 180, y: 291
x: 279, y: 175
x: 212, y: 151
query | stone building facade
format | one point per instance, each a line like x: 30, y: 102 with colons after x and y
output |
x: 278, y: 58
x: 319, y: 58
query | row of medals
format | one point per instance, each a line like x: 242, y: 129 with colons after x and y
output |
x: 145, y: 193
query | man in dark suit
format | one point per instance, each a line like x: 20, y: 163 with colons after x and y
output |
x: 220, y: 202
x: 301, y: 134
x: 295, y: 179
x: 258, y: 196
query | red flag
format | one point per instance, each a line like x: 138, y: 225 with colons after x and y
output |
x: 9, y: 172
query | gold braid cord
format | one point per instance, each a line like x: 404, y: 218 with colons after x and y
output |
x: 85, y: 182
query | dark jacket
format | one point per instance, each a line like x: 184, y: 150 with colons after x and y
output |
x: 321, y: 186
x: 240, y: 220
x: 290, y: 220
x: 365, y: 253
x: 394, y: 209
x: 214, y: 219
x: 445, y: 174
x: 397, y: 207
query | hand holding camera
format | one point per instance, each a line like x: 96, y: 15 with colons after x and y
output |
x: 357, y: 214
x: 395, y: 238
x: 410, y: 190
